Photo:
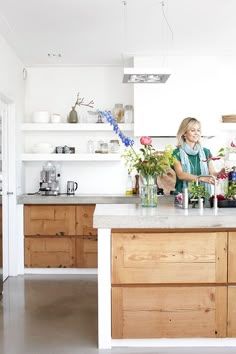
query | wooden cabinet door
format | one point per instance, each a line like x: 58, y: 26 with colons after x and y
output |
x: 49, y: 220
x: 86, y: 252
x: 169, y: 258
x: 169, y: 312
x: 84, y: 220
x: 231, y: 330
x: 53, y: 252
x: 232, y: 258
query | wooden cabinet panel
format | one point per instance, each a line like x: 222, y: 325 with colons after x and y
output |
x: 86, y: 252
x: 54, y: 252
x: 169, y: 258
x: 169, y: 312
x: 232, y: 258
x: 231, y: 330
x: 49, y: 220
x: 84, y: 220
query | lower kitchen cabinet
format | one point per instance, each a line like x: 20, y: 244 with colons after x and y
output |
x: 60, y: 236
x: 49, y: 252
x: 171, y: 285
x: 231, y: 311
x: 86, y: 252
x: 169, y: 312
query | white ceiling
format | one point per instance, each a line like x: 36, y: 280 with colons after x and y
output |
x: 91, y: 32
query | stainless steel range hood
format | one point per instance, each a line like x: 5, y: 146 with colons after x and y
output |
x: 146, y: 75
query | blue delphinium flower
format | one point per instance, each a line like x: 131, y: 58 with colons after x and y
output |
x: 111, y: 120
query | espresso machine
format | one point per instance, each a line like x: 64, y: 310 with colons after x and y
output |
x: 49, y: 180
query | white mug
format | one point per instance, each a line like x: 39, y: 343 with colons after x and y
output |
x: 56, y: 118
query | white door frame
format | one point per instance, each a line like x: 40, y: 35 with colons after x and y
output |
x: 9, y: 189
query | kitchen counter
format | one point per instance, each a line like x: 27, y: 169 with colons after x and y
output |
x: 165, y: 216
x: 151, y: 261
x: 78, y: 199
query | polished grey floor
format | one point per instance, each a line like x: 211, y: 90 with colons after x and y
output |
x: 54, y: 314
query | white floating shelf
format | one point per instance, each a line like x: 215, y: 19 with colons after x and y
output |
x: 70, y: 157
x: 74, y: 127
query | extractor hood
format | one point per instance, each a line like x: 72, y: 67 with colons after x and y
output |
x: 146, y: 75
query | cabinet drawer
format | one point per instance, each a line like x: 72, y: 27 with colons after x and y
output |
x: 86, y: 252
x: 84, y: 220
x: 232, y: 258
x: 49, y: 220
x: 169, y: 258
x: 54, y: 252
x: 231, y: 330
x: 169, y: 312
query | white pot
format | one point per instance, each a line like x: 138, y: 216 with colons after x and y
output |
x: 41, y: 117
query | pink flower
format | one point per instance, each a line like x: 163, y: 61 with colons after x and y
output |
x: 146, y: 140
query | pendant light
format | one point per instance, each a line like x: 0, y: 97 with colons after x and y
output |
x: 143, y: 75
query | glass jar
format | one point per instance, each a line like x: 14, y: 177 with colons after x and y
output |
x: 128, y: 114
x: 104, y: 148
x: 118, y: 112
x: 114, y: 146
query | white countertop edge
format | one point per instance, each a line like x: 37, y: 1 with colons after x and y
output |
x: 164, y: 216
x: 175, y: 342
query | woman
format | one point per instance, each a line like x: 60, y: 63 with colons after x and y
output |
x: 192, y: 160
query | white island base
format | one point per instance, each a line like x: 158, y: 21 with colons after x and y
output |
x: 131, y: 218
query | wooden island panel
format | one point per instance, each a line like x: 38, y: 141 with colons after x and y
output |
x: 161, y: 258
x: 232, y: 257
x: 169, y: 312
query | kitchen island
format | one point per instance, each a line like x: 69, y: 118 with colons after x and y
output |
x: 166, y: 276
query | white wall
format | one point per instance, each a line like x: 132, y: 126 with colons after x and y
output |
x: 55, y: 90
x: 199, y: 86
x: 12, y: 86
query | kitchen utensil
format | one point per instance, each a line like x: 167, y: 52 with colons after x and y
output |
x: 71, y: 187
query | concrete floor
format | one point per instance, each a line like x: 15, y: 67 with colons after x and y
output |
x: 54, y: 314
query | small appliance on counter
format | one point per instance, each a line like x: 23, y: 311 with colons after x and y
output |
x: 49, y: 180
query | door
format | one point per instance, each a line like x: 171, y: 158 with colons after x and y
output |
x: 8, y: 176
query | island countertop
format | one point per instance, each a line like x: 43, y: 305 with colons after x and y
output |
x: 165, y: 216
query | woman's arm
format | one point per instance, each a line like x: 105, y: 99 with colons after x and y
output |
x: 188, y: 177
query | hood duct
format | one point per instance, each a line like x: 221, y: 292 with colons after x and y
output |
x: 145, y: 75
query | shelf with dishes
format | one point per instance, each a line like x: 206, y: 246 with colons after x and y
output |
x: 70, y: 157
x: 73, y: 127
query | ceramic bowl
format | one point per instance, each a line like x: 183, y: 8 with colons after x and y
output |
x: 43, y: 148
x: 41, y: 117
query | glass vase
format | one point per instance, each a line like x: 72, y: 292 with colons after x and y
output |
x: 148, y: 191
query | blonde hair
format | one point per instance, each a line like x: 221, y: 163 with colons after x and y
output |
x: 186, y: 124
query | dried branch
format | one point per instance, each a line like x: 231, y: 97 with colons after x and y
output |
x: 79, y: 102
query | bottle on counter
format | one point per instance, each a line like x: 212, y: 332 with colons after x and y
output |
x: 129, y: 185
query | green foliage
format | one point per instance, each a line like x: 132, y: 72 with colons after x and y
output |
x: 231, y: 192
x: 197, y: 191
x: 148, y: 161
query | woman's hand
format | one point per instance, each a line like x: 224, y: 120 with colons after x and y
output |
x: 206, y: 179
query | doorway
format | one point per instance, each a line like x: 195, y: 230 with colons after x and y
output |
x: 7, y: 180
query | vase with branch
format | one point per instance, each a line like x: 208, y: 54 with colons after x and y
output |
x: 73, y: 116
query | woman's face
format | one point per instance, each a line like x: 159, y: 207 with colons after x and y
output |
x: 192, y: 135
